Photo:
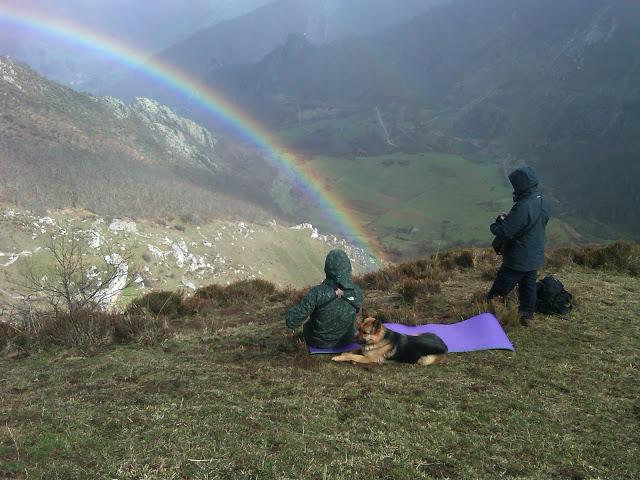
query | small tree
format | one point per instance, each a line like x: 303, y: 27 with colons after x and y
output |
x: 75, y: 280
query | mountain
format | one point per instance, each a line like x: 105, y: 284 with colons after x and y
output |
x: 191, y: 208
x: 555, y: 84
x: 343, y: 74
x: 165, y: 23
x: 62, y: 148
x: 246, y: 39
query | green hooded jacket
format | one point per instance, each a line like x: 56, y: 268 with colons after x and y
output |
x: 331, y: 319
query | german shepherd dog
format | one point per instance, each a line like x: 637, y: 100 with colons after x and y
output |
x: 379, y: 344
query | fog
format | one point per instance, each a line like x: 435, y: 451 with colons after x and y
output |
x: 148, y: 24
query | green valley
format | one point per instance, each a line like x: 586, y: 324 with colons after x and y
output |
x: 418, y: 203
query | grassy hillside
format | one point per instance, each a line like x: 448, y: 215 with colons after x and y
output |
x: 225, y: 395
x: 180, y: 252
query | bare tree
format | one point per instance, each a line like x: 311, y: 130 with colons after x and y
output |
x: 75, y: 279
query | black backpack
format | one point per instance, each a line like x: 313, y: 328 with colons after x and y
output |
x: 553, y: 299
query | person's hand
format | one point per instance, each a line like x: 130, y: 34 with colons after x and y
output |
x: 339, y: 293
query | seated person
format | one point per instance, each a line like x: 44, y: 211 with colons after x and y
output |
x: 331, y: 307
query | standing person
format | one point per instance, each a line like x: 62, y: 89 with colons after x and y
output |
x: 521, y: 237
x: 330, y: 307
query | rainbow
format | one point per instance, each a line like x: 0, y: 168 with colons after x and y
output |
x: 301, y: 174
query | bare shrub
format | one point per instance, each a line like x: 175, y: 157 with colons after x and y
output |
x: 81, y: 329
x: 143, y: 330
x: 411, y: 289
x: 380, y: 280
x: 621, y: 256
x: 505, y: 309
x: 419, y: 269
x: 75, y: 280
x: 190, y: 218
x: 486, y: 256
x: 198, y: 305
x: 464, y: 259
x: 395, y: 314
x: 161, y: 302
x: 11, y: 337
x: 249, y: 291
x: 253, y: 291
x: 284, y: 295
x: 84, y: 330
x: 213, y: 292
x: 559, y: 258
x: 489, y: 272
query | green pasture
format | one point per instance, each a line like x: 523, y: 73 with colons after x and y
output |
x: 431, y: 199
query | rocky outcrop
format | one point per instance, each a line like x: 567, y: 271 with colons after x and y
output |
x: 183, y: 138
x: 8, y: 73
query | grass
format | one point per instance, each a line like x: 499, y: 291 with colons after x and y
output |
x: 240, y: 400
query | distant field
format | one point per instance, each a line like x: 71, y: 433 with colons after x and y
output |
x: 430, y: 199
x: 425, y: 202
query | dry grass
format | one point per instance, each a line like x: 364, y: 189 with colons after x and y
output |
x: 84, y: 330
x: 619, y: 256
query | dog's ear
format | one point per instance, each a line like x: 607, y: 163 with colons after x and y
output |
x: 377, y: 324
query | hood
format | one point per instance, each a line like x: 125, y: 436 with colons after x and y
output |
x: 524, y: 180
x: 337, y: 267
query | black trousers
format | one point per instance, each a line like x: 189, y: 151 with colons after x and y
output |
x: 507, y: 279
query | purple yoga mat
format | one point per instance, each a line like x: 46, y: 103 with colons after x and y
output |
x: 478, y: 333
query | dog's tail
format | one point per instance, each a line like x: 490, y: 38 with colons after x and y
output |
x: 431, y: 359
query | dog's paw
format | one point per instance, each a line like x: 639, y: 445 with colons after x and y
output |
x: 340, y: 358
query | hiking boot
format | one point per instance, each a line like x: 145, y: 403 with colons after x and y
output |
x: 526, y: 319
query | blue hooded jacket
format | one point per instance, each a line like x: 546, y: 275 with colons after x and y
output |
x: 525, y: 224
